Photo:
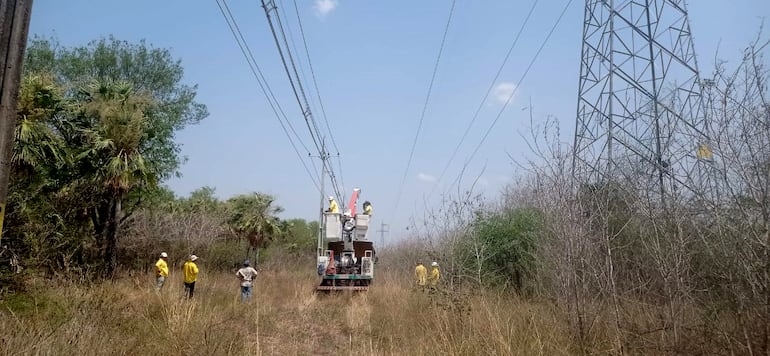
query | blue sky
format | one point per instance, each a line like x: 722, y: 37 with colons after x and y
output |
x: 373, y: 61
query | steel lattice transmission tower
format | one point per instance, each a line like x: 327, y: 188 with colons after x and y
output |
x: 640, y: 116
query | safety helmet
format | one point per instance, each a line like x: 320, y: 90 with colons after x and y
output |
x: 331, y: 197
x: 163, y: 254
x: 193, y: 258
x: 434, y: 264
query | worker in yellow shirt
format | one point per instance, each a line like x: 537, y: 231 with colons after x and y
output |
x: 161, y: 271
x: 333, y: 208
x: 190, y: 270
x: 420, y: 275
x: 367, y: 208
x: 434, y: 275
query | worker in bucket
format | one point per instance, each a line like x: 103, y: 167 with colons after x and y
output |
x: 246, y: 275
x: 161, y: 271
x: 333, y: 208
x: 367, y: 208
x: 435, y: 275
x: 420, y: 275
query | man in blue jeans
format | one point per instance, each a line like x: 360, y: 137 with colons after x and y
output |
x: 246, y: 276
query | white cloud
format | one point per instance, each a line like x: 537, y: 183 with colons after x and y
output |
x: 426, y: 177
x: 503, y: 91
x: 324, y: 7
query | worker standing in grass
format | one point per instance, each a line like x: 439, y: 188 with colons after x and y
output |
x: 420, y: 275
x: 435, y: 275
x: 161, y: 271
x: 190, y: 270
x: 246, y: 276
x: 333, y: 208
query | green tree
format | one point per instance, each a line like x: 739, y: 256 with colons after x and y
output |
x: 117, y: 114
x: 149, y: 70
x: 300, y: 235
x: 37, y: 216
x: 202, y: 200
x: 254, y: 217
x: 95, y: 136
x: 508, y: 239
x: 40, y: 101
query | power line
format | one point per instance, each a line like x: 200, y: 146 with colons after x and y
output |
x: 240, y: 39
x: 246, y: 51
x: 312, y: 74
x: 303, y: 76
x: 521, y: 79
x: 320, y: 102
x: 296, y: 84
x: 332, y: 176
x: 425, y: 107
x: 311, y: 105
x: 484, y: 100
x: 306, y: 109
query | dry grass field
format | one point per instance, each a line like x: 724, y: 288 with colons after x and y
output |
x: 285, y: 317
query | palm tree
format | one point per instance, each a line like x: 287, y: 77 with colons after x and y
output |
x: 254, y: 217
x: 36, y: 143
x: 117, y: 125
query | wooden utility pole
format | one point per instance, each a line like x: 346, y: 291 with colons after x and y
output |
x: 382, y: 232
x: 14, y: 26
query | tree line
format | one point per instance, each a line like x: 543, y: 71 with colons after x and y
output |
x: 94, y: 144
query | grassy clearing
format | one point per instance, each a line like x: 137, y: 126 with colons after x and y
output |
x: 285, y: 317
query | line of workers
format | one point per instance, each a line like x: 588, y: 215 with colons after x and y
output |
x: 246, y: 276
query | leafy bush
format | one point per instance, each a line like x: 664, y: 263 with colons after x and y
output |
x: 501, y: 248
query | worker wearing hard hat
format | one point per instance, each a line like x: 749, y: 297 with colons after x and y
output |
x: 333, y: 208
x: 190, y: 270
x: 434, y: 275
x: 420, y: 275
x: 161, y: 271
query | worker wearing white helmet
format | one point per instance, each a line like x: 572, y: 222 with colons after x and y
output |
x: 190, y: 270
x: 333, y: 208
x: 435, y: 275
x: 161, y: 271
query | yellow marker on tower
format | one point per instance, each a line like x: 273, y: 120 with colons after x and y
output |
x: 704, y: 152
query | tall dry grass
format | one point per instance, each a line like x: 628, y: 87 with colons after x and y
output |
x: 285, y: 317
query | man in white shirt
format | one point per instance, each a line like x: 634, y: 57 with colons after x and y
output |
x: 246, y: 275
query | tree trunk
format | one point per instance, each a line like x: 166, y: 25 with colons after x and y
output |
x: 111, y: 235
x: 766, y: 283
x: 99, y: 220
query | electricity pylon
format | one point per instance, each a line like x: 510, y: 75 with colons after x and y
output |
x: 640, y: 117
